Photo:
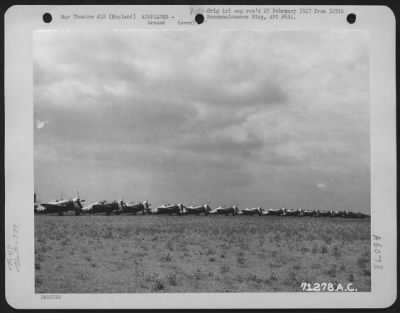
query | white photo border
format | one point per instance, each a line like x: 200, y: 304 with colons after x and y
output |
x: 21, y: 21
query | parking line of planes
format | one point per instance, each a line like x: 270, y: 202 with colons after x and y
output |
x: 61, y: 207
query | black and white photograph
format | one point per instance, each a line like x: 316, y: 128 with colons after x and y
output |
x: 179, y: 161
x: 200, y: 157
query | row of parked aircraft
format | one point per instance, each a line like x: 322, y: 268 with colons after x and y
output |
x: 119, y: 207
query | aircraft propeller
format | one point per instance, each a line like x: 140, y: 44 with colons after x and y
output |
x: 79, y: 198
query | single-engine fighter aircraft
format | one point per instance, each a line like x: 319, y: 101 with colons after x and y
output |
x: 107, y: 207
x: 308, y: 212
x: 169, y: 209
x: 362, y: 215
x: 136, y: 207
x: 89, y: 208
x: 62, y: 206
x: 342, y: 213
x: 324, y: 213
x: 225, y: 210
x: 251, y: 211
x: 197, y: 210
x: 274, y: 212
x: 292, y: 212
x: 350, y: 214
x: 334, y: 213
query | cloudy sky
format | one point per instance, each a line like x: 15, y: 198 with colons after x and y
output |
x: 277, y: 119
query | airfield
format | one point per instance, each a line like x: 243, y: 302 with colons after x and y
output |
x: 142, y: 254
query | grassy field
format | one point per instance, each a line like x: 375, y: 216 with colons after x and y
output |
x: 128, y: 254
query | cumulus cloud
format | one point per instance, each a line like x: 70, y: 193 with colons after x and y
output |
x: 203, y: 115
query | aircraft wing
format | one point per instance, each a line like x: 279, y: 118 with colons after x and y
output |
x: 56, y: 203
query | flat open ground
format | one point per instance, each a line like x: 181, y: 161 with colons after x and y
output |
x: 127, y: 254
